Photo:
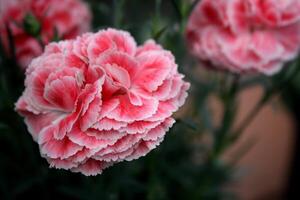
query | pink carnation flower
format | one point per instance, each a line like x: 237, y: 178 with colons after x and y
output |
x: 245, y: 35
x: 100, y: 99
x: 68, y: 17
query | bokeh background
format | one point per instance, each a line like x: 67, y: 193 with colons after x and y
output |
x: 266, y: 158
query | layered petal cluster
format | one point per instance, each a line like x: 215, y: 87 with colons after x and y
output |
x: 64, y: 19
x: 100, y: 99
x: 245, y: 35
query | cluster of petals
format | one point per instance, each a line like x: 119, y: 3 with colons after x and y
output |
x: 100, y: 99
x: 63, y: 18
x: 245, y: 35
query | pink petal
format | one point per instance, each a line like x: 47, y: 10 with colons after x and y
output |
x: 141, y: 150
x: 36, y: 123
x: 120, y: 59
x: 125, y: 143
x: 139, y: 127
x: 134, y: 98
x: 91, y: 167
x: 154, y: 68
x: 164, y: 90
x: 118, y: 74
x: 266, y: 45
x: 55, y: 93
x: 61, y: 164
x: 127, y: 112
x: 123, y: 40
x: 100, y: 43
x: 113, y: 135
x: 114, y: 156
x: 159, y: 131
x: 149, y: 45
x: 237, y: 17
x: 166, y: 108
x: 59, y: 148
x: 108, y: 106
x: 91, y: 115
x: 108, y: 124
x: 82, y: 139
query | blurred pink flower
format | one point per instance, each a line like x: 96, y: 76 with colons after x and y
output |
x: 100, y: 99
x: 68, y: 18
x: 245, y: 35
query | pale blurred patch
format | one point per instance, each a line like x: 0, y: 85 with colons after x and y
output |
x: 263, y: 171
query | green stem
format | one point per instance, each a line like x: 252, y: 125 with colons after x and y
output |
x: 229, y: 102
x: 118, y: 14
x: 252, y: 114
x: 277, y: 88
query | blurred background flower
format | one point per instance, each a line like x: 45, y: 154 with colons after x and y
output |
x: 245, y: 35
x: 31, y: 24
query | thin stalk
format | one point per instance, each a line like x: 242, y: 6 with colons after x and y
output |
x: 252, y: 114
x: 229, y: 102
x: 118, y: 12
x: 275, y: 90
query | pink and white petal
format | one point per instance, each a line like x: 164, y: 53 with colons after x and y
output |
x: 91, y: 142
x: 177, y: 84
x: 118, y: 74
x: 61, y: 164
x: 108, y: 106
x: 163, y: 91
x: 59, y: 148
x: 115, y: 156
x: 65, y: 125
x: 112, y: 135
x: 140, y: 150
x: 149, y: 45
x: 91, y: 167
x: 82, y: 155
x: 237, y: 11
x: 120, y: 59
x: 35, y: 92
x: 152, y: 144
x: 127, y: 112
x: 125, y: 142
x: 154, y: 68
x: 93, y: 73
x: 55, y: 93
x: 80, y: 45
x: 134, y: 98
x: 139, y: 127
x: 289, y: 37
x: 99, y: 43
x: 36, y: 123
x: 108, y: 124
x: 23, y: 107
x: 123, y: 41
x: 270, y: 68
x: 166, y: 108
x: 208, y: 12
x: 159, y: 131
x: 267, y: 46
x: 89, y: 93
x: 241, y: 54
x: 91, y: 116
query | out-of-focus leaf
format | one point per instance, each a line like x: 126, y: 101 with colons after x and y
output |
x: 157, y: 35
x: 31, y: 25
x: 55, y: 37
